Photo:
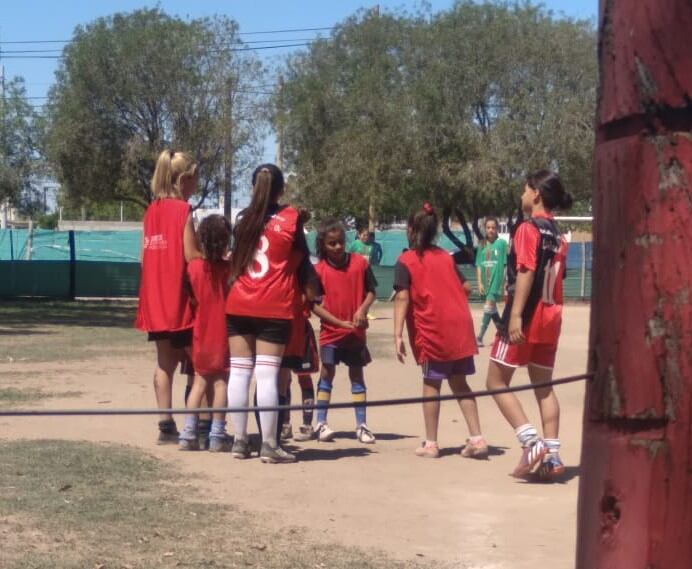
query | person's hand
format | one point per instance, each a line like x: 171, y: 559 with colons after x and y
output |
x: 346, y: 324
x: 516, y: 336
x: 400, y: 348
x: 481, y: 289
x: 360, y: 319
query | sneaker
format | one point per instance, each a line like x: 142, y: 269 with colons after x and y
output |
x: 428, y: 450
x: 364, y: 435
x: 222, y: 443
x: 168, y: 437
x: 240, y: 449
x: 275, y: 455
x: 188, y: 444
x: 478, y: 449
x: 479, y: 342
x: 286, y: 432
x: 531, y: 458
x: 324, y: 433
x: 305, y: 433
x: 551, y: 467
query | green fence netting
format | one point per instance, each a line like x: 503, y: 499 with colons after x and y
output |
x: 107, y: 263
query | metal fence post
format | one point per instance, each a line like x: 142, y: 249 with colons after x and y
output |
x: 583, y: 269
x: 73, y: 264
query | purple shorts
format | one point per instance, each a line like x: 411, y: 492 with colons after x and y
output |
x: 438, y: 371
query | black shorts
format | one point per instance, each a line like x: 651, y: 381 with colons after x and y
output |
x: 272, y: 330
x: 179, y: 339
x: 309, y: 362
x: 352, y: 356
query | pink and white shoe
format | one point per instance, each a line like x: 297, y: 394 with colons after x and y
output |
x: 428, y: 449
x: 531, y: 458
x: 479, y: 449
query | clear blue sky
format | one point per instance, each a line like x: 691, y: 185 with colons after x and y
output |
x: 23, y: 20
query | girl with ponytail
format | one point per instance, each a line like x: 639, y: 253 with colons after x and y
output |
x: 270, y: 265
x: 431, y: 299
x: 168, y: 244
x: 530, y: 326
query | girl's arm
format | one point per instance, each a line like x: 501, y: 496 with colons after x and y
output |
x: 190, y: 246
x: 401, y: 302
x: 326, y: 316
x: 360, y: 318
x: 521, y: 294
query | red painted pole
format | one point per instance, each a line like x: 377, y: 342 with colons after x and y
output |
x: 635, y: 495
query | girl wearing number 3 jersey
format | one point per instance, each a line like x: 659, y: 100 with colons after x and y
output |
x: 530, y: 326
x: 270, y: 265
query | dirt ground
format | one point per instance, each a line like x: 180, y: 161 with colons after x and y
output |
x: 464, y: 512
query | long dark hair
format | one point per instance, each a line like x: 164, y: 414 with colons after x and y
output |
x: 267, y: 186
x: 549, y: 186
x: 214, y: 236
x: 423, y: 225
x: 327, y: 226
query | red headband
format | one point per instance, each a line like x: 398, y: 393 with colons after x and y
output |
x: 427, y: 208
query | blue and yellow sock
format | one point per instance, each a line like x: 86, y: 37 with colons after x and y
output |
x: 324, y: 395
x: 358, y: 395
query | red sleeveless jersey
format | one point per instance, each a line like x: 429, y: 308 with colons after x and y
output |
x: 344, y: 292
x: 164, y: 302
x: 268, y: 288
x: 209, y: 337
x: 440, y: 327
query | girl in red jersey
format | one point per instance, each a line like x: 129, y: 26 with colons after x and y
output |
x: 349, y: 290
x: 209, y: 281
x: 269, y: 254
x: 430, y: 297
x: 530, y: 327
x: 168, y: 244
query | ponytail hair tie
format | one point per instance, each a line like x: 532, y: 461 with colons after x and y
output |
x: 427, y: 208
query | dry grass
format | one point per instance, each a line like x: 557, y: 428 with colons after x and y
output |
x: 67, y: 505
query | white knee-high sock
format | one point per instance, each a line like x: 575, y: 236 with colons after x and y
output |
x: 238, y: 393
x: 267, y: 376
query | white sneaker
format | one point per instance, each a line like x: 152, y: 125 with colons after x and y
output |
x: 364, y: 435
x: 324, y: 433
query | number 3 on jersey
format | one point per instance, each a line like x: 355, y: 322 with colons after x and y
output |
x: 261, y: 259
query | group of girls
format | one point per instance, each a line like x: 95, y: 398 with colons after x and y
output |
x: 244, y: 312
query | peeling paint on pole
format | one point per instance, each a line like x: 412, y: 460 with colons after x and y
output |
x: 635, y: 503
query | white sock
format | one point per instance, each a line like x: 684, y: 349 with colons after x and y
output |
x: 553, y: 445
x: 267, y: 376
x: 526, y: 434
x: 238, y: 393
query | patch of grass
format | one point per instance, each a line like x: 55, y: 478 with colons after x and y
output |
x: 75, y: 505
x: 40, y: 330
x: 10, y: 396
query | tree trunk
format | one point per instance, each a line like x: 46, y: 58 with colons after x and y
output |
x: 635, y: 502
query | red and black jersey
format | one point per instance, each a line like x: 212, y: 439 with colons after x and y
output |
x: 439, y: 323
x: 164, y: 302
x: 209, y: 337
x: 345, y: 288
x: 537, y: 246
x: 268, y: 287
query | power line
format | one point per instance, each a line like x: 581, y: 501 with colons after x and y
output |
x: 259, y: 48
x: 15, y: 42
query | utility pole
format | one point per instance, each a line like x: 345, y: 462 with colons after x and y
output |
x: 635, y: 486
x: 280, y: 133
x: 3, y: 138
x: 228, y: 155
x: 372, y: 213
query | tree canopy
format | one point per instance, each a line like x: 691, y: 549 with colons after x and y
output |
x: 395, y: 109
x: 130, y: 85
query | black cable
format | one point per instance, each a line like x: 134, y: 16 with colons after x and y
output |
x: 345, y: 405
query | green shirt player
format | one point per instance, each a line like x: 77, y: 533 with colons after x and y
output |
x: 367, y: 247
x: 491, y: 259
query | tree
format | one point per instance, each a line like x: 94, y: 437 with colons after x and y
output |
x: 340, y: 114
x: 19, y: 140
x: 132, y: 84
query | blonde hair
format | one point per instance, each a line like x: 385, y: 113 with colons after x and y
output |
x: 171, y: 167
